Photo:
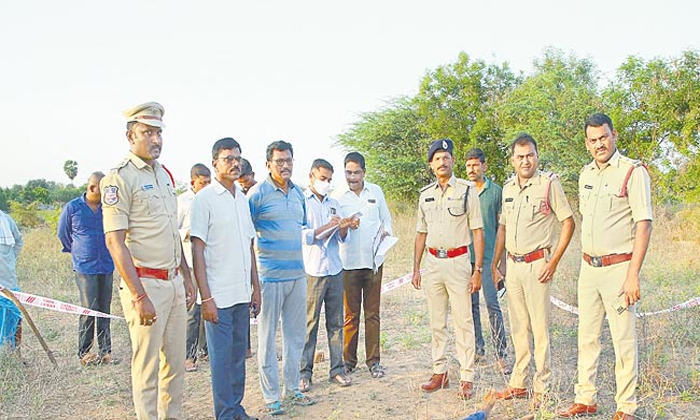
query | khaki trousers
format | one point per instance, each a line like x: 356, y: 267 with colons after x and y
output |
x: 598, y: 287
x: 528, y: 307
x: 446, y: 280
x: 158, y: 359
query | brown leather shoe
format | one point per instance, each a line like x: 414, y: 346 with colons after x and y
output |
x: 619, y: 415
x: 509, y: 393
x: 465, y: 390
x: 577, y: 409
x: 437, y: 381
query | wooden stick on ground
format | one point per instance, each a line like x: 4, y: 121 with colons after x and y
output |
x: 22, y: 309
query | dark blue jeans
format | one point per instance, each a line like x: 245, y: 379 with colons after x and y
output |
x: 196, y: 340
x: 498, y: 331
x: 96, y: 294
x: 227, y: 341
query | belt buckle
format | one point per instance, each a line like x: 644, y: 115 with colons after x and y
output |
x: 441, y: 253
x: 597, y: 261
x: 519, y: 258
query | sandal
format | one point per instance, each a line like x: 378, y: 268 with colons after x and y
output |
x: 274, y: 408
x: 341, y: 380
x: 300, y: 399
x: 305, y: 384
x: 377, y: 371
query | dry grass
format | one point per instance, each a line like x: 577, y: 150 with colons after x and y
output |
x: 669, y: 357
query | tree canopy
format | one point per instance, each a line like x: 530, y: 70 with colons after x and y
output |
x: 654, y: 105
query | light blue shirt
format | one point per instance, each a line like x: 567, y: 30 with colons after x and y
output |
x: 9, y: 253
x: 278, y: 218
x: 321, y: 256
x: 357, y: 251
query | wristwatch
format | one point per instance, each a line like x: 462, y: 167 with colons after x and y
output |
x: 479, y: 269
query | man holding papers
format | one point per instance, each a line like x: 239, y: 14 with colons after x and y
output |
x: 362, y: 274
x: 324, y: 230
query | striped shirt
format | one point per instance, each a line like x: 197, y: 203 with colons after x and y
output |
x: 278, y: 219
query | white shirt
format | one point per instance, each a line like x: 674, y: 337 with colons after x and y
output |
x: 184, y: 201
x: 356, y: 251
x: 223, y: 222
x: 321, y: 256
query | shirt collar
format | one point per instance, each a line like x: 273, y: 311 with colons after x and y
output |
x: 220, y: 189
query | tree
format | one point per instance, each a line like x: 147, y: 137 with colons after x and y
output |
x: 70, y: 167
x: 394, y: 147
x: 457, y: 101
x: 552, y: 105
x: 656, y: 109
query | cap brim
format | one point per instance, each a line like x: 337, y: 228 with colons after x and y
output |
x: 152, y: 123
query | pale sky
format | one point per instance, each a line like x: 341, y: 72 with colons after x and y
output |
x: 260, y: 71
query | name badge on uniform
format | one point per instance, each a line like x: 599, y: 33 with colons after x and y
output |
x: 147, y: 187
x: 509, y: 199
x: 429, y: 199
x: 333, y: 210
x: 371, y: 201
x: 588, y: 187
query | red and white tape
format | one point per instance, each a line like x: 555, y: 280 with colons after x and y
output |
x: 57, y: 305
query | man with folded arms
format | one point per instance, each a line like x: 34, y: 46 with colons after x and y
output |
x: 447, y: 210
x: 139, y: 208
x: 615, y: 204
x: 533, y: 202
x: 224, y: 265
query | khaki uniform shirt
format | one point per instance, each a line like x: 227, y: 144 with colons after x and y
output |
x: 142, y: 201
x: 608, y: 224
x: 528, y: 228
x: 442, y: 216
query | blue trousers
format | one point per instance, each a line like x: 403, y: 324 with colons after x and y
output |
x: 227, y: 341
x: 498, y: 332
x: 96, y: 294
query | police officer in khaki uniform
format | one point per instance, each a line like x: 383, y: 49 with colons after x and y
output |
x: 615, y: 204
x: 447, y: 210
x: 141, y: 230
x: 533, y: 201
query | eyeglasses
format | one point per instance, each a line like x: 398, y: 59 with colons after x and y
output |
x: 282, y: 162
x: 231, y: 158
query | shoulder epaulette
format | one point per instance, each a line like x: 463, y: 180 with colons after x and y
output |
x: 428, y: 186
x: 633, y: 165
x: 121, y: 164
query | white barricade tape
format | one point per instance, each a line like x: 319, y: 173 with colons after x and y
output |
x: 685, y: 305
x: 57, y: 305
x: 394, y: 284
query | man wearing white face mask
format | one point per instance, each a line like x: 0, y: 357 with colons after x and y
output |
x: 320, y: 239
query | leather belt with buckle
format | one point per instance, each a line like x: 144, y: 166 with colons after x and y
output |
x: 448, y: 253
x: 528, y: 258
x: 606, y: 260
x: 154, y: 273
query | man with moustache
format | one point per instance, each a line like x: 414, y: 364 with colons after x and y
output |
x: 81, y: 233
x: 200, y: 177
x: 447, y: 211
x: 224, y: 265
x: 362, y: 275
x: 490, y: 195
x: 320, y: 238
x: 278, y: 209
x: 139, y: 209
x: 615, y: 204
x: 533, y: 201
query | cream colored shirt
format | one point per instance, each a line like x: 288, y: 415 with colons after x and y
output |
x: 442, y: 216
x: 142, y: 201
x: 528, y: 226
x: 609, y: 221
